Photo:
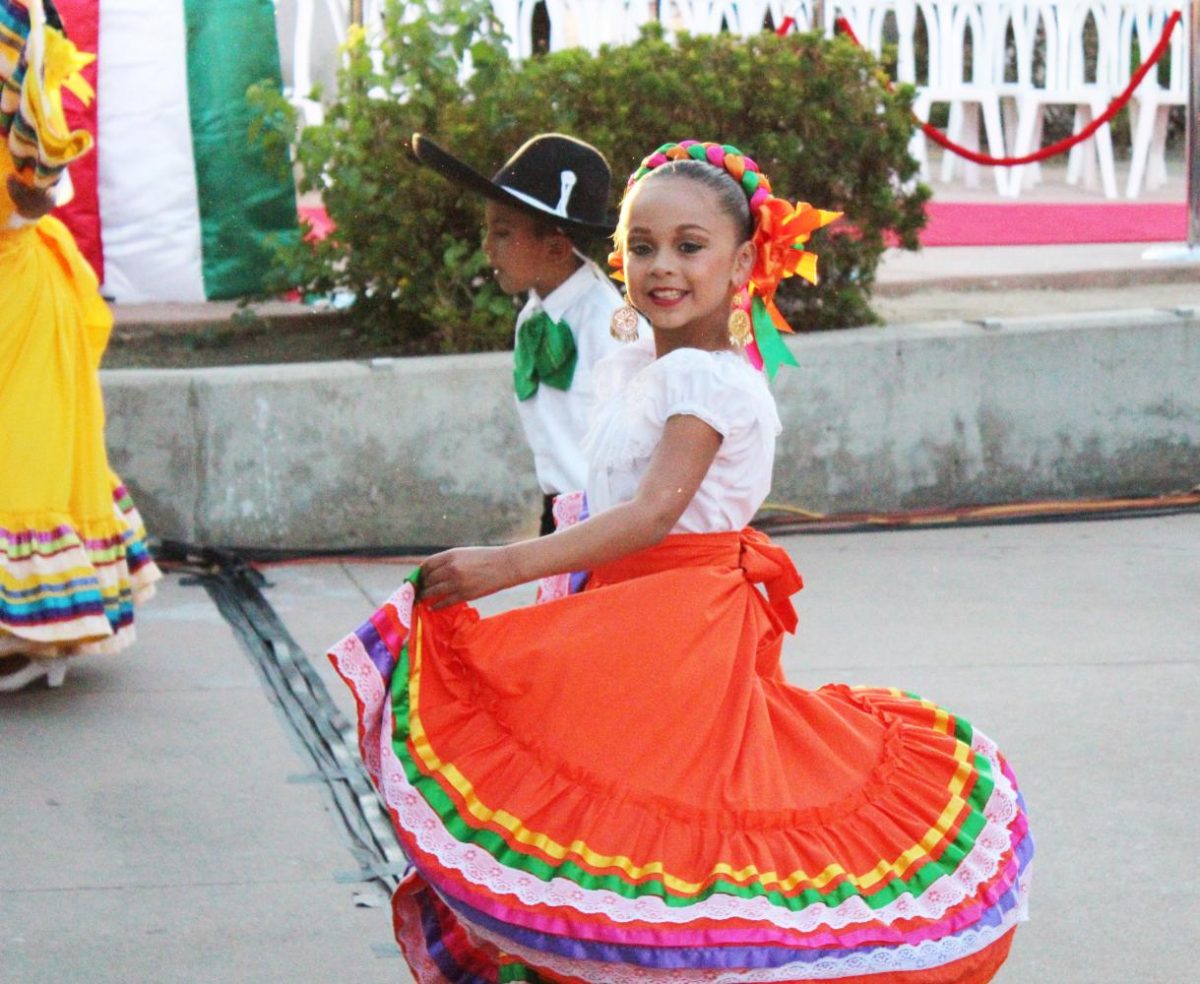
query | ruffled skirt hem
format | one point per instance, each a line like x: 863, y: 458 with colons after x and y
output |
x: 69, y: 588
x: 552, y: 846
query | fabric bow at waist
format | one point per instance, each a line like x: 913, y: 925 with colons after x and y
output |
x: 760, y: 561
x: 545, y: 353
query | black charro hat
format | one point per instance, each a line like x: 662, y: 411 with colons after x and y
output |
x: 551, y: 176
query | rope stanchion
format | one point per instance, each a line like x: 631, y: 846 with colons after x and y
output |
x: 1061, y: 146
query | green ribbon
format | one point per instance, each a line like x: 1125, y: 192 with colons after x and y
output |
x: 770, y: 345
x: 545, y: 353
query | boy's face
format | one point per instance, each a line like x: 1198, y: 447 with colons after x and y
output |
x: 515, y: 247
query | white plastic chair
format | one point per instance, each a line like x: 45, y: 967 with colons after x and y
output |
x: 311, y: 34
x: 1143, y: 22
x: 969, y: 86
x: 873, y: 23
x: 625, y: 19
x: 1067, y: 82
x: 747, y: 17
x: 677, y: 16
x: 308, y: 46
x: 754, y: 14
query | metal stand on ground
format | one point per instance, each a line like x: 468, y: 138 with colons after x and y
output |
x: 1191, y: 251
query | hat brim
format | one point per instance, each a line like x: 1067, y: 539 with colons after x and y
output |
x: 454, y: 170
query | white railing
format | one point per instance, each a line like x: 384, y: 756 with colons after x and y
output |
x: 311, y: 31
x: 997, y: 64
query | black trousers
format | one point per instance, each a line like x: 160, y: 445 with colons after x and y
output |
x: 547, y: 515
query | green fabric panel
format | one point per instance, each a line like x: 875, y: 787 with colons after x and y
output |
x: 517, y: 972
x: 770, y: 345
x: 545, y: 353
x: 244, y: 197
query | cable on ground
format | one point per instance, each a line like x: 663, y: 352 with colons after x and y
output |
x: 235, y: 588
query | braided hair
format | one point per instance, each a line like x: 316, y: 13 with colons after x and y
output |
x: 739, y: 185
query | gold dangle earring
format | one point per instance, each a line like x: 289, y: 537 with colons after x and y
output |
x: 740, y: 326
x: 624, y: 323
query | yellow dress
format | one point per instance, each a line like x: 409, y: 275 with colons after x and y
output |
x: 73, y: 556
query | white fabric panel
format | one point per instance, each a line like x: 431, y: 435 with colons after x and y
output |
x: 149, y: 209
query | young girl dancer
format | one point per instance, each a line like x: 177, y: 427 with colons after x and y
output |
x: 620, y: 785
x: 73, y: 557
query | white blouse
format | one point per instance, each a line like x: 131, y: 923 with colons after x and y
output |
x: 554, y: 420
x: 637, y: 393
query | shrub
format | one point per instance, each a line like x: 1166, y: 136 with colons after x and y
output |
x: 814, y: 113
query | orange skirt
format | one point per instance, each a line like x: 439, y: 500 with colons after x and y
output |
x: 621, y: 785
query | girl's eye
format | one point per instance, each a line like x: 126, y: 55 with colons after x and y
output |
x: 690, y: 247
x: 639, y: 249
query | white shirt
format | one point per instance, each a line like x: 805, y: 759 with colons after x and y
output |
x: 635, y: 396
x: 554, y: 420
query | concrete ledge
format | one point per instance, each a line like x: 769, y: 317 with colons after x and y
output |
x: 429, y: 451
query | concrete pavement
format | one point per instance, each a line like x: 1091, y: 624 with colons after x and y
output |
x: 156, y: 826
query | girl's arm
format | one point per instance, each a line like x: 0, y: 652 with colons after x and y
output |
x: 679, y: 464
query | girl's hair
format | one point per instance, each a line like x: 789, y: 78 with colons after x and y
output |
x: 731, y: 198
x: 53, y: 19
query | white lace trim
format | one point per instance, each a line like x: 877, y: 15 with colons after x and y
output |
x: 410, y: 934
x: 478, y: 867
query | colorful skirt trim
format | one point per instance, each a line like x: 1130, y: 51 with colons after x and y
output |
x: 69, y: 589
x: 619, y: 785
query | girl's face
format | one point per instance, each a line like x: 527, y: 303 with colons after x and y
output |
x: 684, y: 259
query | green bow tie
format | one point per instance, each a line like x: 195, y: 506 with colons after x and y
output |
x: 545, y: 352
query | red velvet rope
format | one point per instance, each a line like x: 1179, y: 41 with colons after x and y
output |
x: 1062, y: 146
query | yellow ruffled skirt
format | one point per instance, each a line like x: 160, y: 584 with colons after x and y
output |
x: 73, y: 556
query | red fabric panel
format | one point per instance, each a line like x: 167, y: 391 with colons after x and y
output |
x: 82, y: 214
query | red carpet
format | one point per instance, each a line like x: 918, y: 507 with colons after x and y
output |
x: 1028, y: 224
x: 1006, y: 224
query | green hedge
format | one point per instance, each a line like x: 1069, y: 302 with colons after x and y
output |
x: 815, y: 114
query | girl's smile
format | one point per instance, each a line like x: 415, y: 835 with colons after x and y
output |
x: 667, y: 296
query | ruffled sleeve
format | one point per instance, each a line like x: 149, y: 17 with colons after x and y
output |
x: 612, y: 374
x: 722, y: 389
x: 638, y: 394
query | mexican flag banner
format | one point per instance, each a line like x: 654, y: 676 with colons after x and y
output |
x: 175, y: 203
